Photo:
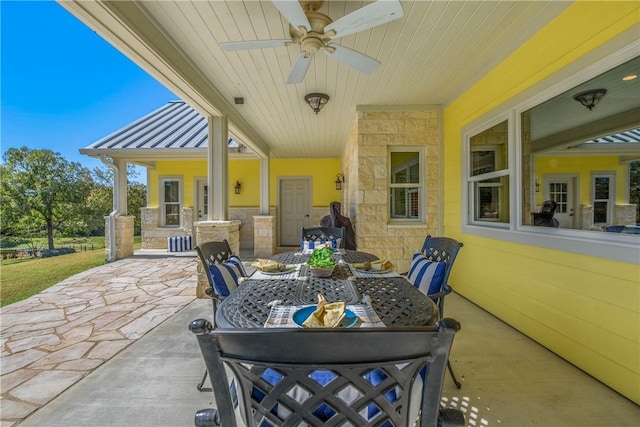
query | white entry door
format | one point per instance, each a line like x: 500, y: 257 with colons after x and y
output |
x: 202, y: 200
x: 560, y: 189
x: 294, y: 208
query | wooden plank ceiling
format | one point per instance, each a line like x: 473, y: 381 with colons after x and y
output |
x: 431, y: 55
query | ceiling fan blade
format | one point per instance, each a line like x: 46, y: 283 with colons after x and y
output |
x: 299, y: 69
x: 370, y: 16
x: 293, y: 12
x: 253, y: 44
x: 352, y: 58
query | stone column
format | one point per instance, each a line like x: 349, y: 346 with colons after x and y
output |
x: 149, y: 221
x: 586, y: 217
x: 264, y: 235
x: 625, y: 214
x: 123, y: 237
x: 187, y: 221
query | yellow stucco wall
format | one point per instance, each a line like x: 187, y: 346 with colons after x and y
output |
x: 584, y: 166
x: 323, y: 172
x: 586, y: 309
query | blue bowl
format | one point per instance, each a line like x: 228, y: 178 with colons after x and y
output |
x: 302, y: 314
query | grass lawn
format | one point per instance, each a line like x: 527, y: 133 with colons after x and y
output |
x: 21, y: 278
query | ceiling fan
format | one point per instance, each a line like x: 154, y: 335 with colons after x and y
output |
x: 315, y: 31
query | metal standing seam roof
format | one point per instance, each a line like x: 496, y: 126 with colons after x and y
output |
x: 629, y: 136
x: 173, y: 126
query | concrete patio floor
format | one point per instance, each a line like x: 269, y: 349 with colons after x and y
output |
x: 111, y: 347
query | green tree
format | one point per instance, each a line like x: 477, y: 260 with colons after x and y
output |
x: 41, y: 192
x: 99, y: 202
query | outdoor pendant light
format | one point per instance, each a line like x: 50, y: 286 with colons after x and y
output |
x: 316, y: 101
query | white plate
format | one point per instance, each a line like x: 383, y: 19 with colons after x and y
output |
x: 276, y: 273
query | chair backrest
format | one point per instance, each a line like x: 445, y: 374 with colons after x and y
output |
x: 315, y: 234
x: 358, y: 377
x: 545, y: 216
x: 548, y: 207
x: 213, y: 253
x: 442, y: 249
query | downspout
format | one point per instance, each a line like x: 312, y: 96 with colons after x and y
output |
x: 112, y: 216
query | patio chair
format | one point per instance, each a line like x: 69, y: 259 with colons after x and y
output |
x: 430, y: 270
x: 210, y: 253
x: 309, y: 236
x: 278, y: 376
x: 545, y: 216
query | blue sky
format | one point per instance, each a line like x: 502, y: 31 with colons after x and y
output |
x: 62, y: 86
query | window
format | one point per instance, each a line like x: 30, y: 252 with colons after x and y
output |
x: 489, y: 174
x: 405, y: 187
x: 603, y: 202
x: 170, y: 199
x: 544, y: 145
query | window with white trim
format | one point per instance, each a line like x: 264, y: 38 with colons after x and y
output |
x: 557, y: 150
x: 170, y: 201
x: 603, y: 198
x: 488, y: 178
x: 406, y: 181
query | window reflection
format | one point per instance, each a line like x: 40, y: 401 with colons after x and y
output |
x: 584, y: 159
x: 489, y: 174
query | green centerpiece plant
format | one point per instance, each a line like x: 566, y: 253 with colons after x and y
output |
x: 321, y: 262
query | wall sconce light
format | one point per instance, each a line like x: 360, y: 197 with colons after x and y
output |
x: 316, y: 101
x: 339, y: 181
x: 537, y: 186
x: 238, y: 187
x: 589, y: 98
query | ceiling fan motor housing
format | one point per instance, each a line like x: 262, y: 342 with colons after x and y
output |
x: 314, y: 40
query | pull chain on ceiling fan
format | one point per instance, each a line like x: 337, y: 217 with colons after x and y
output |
x: 315, y: 31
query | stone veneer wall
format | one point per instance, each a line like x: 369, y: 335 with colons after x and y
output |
x: 365, y: 161
x: 625, y: 214
x: 155, y: 237
x: 245, y: 216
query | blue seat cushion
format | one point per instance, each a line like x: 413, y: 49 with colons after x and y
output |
x: 426, y: 275
x: 312, y: 244
x: 225, y: 277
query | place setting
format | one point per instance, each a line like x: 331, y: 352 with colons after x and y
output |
x: 322, y: 315
x: 377, y: 268
x: 270, y: 269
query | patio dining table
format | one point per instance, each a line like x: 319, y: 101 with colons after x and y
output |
x: 391, y: 296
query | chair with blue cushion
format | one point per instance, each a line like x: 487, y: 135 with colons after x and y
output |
x: 322, y: 377
x: 223, y: 269
x: 430, y: 270
x: 311, y: 236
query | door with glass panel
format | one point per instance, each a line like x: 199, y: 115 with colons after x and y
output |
x: 560, y: 189
x: 202, y: 200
